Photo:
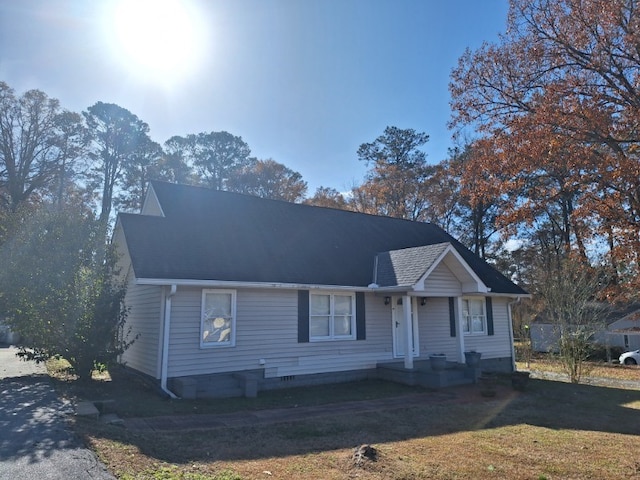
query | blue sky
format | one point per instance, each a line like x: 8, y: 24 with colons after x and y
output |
x: 304, y: 82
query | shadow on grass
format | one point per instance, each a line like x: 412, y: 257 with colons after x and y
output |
x: 547, y: 404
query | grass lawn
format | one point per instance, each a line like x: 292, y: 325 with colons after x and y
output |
x: 553, y: 430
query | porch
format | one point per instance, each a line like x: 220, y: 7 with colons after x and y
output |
x: 250, y: 383
x: 423, y: 375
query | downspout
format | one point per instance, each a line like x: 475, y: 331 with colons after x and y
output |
x: 165, y: 342
x: 513, y: 347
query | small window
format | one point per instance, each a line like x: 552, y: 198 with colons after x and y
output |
x: 218, y: 325
x: 331, y: 316
x: 474, y: 318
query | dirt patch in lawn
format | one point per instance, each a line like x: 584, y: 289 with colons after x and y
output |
x: 552, y: 430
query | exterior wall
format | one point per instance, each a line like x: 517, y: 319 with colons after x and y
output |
x: 634, y: 342
x: 499, y: 344
x: 267, y: 337
x: 435, y: 335
x: 433, y: 326
x: 144, y: 319
x: 442, y: 282
x: 267, y: 329
x: 618, y: 339
x: 544, y: 337
x: 7, y: 336
x: 151, y: 204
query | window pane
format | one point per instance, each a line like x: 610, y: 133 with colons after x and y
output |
x: 465, y: 308
x: 319, y: 326
x: 477, y: 324
x: 217, y: 330
x: 217, y: 318
x: 342, y: 325
x: 476, y: 307
x: 466, y: 324
x: 320, y: 304
x: 217, y: 305
x: 342, y: 305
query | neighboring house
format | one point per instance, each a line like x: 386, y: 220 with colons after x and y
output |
x: 7, y: 336
x: 223, y: 284
x: 625, y: 332
x: 620, y: 327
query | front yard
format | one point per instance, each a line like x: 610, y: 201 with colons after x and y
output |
x: 552, y: 430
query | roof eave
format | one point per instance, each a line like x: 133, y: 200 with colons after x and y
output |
x: 187, y: 282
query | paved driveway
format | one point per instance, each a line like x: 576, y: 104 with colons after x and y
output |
x: 35, y: 441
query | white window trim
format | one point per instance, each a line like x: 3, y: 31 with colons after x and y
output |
x: 232, y: 339
x: 332, y: 337
x: 471, y: 333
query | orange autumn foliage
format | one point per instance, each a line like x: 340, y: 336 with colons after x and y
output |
x: 557, y: 104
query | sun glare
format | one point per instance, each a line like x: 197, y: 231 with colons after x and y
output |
x: 157, y: 39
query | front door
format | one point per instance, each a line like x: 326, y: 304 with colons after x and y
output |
x: 398, y: 327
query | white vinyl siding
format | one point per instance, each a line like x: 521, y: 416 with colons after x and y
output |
x: 435, y: 332
x: 441, y: 282
x: 499, y: 344
x: 145, y: 321
x: 151, y: 204
x: 267, y: 329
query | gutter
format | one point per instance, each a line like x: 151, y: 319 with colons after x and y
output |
x: 239, y: 284
x: 372, y: 287
x: 165, y: 342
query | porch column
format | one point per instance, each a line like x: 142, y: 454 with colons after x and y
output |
x: 408, y: 331
x: 460, y: 332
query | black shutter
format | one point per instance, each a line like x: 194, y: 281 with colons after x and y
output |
x: 361, y: 327
x: 303, y: 316
x: 452, y: 317
x: 489, y: 316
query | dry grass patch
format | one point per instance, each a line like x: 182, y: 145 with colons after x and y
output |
x: 133, y: 395
x: 554, y: 430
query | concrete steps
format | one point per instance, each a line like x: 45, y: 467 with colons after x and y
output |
x: 453, y: 375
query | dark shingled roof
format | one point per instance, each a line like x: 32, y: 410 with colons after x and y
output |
x: 214, y: 235
x: 405, y: 267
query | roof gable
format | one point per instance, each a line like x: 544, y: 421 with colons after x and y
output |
x: 410, y: 267
x: 151, y: 205
x: 405, y: 267
x: 222, y: 236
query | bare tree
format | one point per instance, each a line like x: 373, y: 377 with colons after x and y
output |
x: 38, y: 141
x: 569, y: 292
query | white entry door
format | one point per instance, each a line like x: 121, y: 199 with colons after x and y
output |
x: 397, y: 319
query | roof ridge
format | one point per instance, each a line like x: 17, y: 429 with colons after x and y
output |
x: 280, y: 201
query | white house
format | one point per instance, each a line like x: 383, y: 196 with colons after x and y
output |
x: 231, y: 293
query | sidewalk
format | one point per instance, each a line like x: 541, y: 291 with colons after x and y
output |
x: 172, y: 423
x: 11, y: 366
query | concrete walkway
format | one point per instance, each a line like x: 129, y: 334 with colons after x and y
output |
x: 35, y: 440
